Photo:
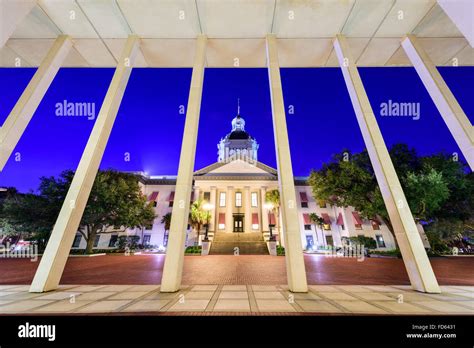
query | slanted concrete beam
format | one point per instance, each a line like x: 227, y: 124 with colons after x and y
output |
x: 54, y: 259
x: 295, y: 268
x: 173, y: 267
x: 416, y: 261
x: 20, y: 116
x: 461, y: 12
x: 453, y: 115
x: 12, y: 12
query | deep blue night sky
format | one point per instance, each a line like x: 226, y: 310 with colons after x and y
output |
x: 149, y: 125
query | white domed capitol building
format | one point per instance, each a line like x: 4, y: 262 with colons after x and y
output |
x: 235, y: 187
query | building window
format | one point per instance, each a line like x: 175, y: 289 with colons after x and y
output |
x: 221, y: 226
x: 113, y: 240
x: 254, y: 226
x: 307, y: 227
x: 375, y: 225
x: 358, y: 226
x: 322, y: 203
x: 96, y: 240
x: 171, y: 204
x: 254, y: 199
x: 222, y: 199
x: 380, y: 241
x: 155, y: 203
x: 327, y: 227
x: 146, y: 239
x: 304, y: 204
x: 165, y: 238
x: 207, y: 196
x: 238, y: 199
x: 329, y: 240
x: 77, y: 241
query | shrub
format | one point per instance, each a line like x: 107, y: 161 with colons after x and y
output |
x: 367, y: 242
x: 195, y: 249
x: 127, y: 241
x: 280, y: 250
x: 392, y: 252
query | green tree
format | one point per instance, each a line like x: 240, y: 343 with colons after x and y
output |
x: 349, y: 180
x: 115, y: 204
x: 272, y: 198
x: 198, y: 217
x: 166, y: 220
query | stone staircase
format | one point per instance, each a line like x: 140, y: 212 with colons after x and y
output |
x: 251, y: 243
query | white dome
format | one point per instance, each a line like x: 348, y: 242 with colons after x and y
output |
x: 238, y: 124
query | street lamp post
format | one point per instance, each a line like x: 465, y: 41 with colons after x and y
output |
x: 207, y: 207
x: 270, y: 206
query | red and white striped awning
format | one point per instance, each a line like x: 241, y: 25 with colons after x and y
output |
x: 254, y: 218
x: 153, y: 196
x: 326, y: 218
x: 307, y: 220
x: 271, y: 219
x: 221, y: 219
x: 357, y: 219
x: 171, y: 197
x: 304, y: 197
x: 340, y: 220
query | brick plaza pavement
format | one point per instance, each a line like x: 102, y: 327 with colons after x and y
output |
x: 238, y: 270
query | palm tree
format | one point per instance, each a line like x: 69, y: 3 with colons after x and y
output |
x: 198, y: 217
x: 166, y: 220
x: 272, y: 199
x: 317, y: 221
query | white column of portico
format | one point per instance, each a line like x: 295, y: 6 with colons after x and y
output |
x: 54, y: 259
x: 213, y: 203
x: 20, y: 116
x: 248, y: 217
x: 295, y: 267
x: 229, y: 221
x: 173, y: 267
x: 453, y: 115
x: 414, y: 256
x: 264, y: 211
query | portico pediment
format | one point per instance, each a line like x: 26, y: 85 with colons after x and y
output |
x: 235, y: 168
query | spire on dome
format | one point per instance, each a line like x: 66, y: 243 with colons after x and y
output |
x: 238, y: 106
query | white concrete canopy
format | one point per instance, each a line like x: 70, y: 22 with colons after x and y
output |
x: 461, y: 12
x: 414, y: 256
x: 54, y: 259
x: 12, y: 13
x: 237, y: 29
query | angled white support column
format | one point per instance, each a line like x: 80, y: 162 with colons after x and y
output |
x: 295, y: 268
x: 12, y: 12
x: 453, y: 115
x: 54, y: 259
x: 461, y: 12
x: 416, y: 261
x: 173, y: 268
x: 20, y: 116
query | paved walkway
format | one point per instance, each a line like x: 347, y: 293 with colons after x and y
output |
x: 244, y: 269
x: 236, y: 300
